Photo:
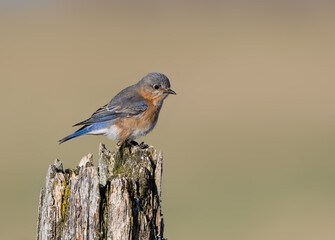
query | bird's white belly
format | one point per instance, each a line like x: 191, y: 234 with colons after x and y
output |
x: 113, y: 132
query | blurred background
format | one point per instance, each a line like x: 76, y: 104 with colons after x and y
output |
x: 248, y: 142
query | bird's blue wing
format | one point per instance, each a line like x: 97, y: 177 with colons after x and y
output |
x: 127, y: 103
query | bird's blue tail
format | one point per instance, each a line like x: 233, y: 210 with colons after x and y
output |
x: 95, y: 128
x: 82, y: 131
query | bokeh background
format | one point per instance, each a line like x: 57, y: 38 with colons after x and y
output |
x: 248, y: 142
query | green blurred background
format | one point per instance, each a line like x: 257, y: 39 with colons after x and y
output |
x: 248, y: 142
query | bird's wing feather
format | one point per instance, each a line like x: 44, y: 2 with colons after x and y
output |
x: 127, y: 103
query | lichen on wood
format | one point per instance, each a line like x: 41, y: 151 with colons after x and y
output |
x: 119, y: 199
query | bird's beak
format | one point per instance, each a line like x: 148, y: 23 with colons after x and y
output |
x: 170, y: 91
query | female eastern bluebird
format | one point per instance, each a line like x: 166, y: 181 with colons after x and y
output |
x: 132, y: 113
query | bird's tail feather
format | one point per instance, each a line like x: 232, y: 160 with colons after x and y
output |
x: 82, y: 131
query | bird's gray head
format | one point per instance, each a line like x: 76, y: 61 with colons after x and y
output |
x: 156, y: 85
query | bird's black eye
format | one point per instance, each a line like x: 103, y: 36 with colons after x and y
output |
x: 156, y: 87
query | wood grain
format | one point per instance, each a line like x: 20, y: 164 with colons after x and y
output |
x: 119, y: 199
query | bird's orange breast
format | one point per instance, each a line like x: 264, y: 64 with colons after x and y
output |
x: 133, y: 127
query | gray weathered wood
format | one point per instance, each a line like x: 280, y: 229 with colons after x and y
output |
x: 119, y: 199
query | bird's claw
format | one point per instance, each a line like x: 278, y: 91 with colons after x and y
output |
x: 133, y: 143
x: 143, y: 145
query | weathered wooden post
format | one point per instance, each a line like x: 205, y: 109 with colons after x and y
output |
x: 119, y: 199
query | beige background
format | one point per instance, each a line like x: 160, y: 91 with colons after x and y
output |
x: 248, y: 141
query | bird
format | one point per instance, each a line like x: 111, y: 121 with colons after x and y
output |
x: 131, y: 114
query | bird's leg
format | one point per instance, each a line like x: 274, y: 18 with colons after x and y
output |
x: 127, y: 143
x: 119, y: 143
x: 130, y: 143
x: 134, y: 143
x: 124, y: 144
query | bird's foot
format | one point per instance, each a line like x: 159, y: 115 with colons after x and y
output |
x: 132, y: 143
x: 143, y: 145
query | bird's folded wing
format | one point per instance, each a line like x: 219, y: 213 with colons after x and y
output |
x: 118, y: 107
